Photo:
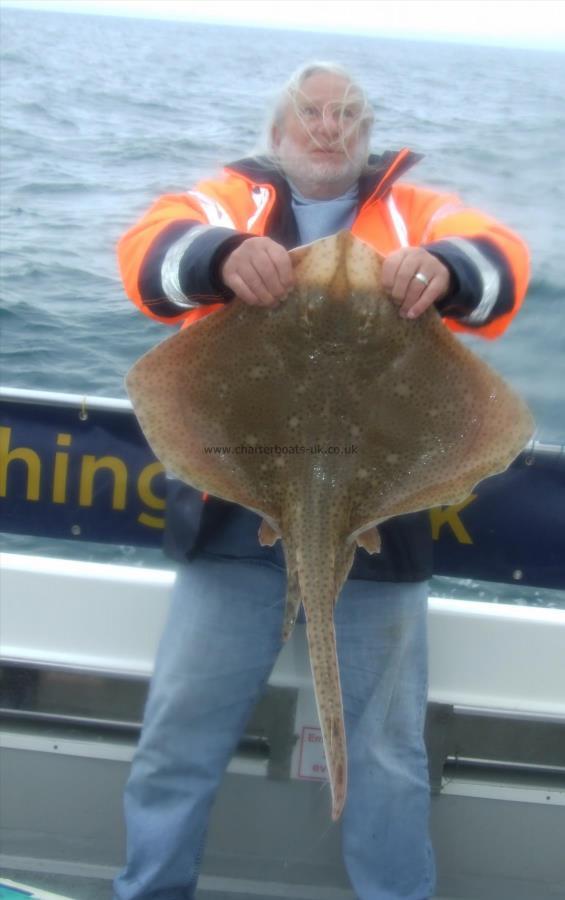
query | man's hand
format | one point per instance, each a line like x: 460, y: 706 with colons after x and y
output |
x: 259, y: 271
x: 412, y: 294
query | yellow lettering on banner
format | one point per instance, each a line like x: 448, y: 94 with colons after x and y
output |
x: 449, y: 515
x: 90, y: 466
x: 148, y: 497
x: 61, y: 470
x: 23, y: 454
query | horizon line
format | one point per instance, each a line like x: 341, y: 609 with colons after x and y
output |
x: 543, y: 44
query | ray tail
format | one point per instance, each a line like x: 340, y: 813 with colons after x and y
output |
x: 320, y: 567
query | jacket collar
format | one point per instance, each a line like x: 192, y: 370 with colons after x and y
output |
x: 384, y: 170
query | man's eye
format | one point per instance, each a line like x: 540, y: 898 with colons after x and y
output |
x: 309, y: 111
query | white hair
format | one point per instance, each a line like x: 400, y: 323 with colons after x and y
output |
x: 292, y: 90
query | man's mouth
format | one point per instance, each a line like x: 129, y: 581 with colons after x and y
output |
x: 326, y: 151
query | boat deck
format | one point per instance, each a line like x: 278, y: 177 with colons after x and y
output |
x: 73, y: 887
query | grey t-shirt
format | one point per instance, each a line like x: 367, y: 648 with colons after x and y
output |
x: 320, y: 218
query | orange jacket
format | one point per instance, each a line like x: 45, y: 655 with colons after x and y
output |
x: 489, y: 261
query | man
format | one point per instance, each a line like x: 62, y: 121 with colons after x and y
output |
x: 189, y: 254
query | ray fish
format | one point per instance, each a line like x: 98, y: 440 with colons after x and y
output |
x: 328, y: 415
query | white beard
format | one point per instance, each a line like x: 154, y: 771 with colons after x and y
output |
x: 306, y: 171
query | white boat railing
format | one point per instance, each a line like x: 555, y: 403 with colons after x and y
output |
x: 107, y: 618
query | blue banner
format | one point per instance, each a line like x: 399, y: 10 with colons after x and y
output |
x: 78, y: 472
x: 511, y: 528
x: 75, y: 469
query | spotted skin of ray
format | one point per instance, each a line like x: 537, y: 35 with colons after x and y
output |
x: 333, y: 365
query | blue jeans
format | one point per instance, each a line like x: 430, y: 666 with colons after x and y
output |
x: 219, y: 646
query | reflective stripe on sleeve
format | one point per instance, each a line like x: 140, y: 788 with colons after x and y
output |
x: 489, y: 275
x: 170, y: 270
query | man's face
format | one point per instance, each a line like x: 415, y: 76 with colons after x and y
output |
x: 321, y: 144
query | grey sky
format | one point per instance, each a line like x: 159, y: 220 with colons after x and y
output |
x: 520, y: 23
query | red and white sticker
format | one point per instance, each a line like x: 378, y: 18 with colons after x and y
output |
x: 312, y: 760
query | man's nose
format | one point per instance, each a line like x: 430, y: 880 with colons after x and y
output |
x: 331, y: 124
